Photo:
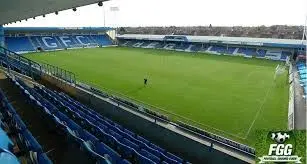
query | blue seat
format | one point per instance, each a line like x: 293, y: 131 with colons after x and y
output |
x: 115, y: 135
x: 117, y: 125
x: 143, y: 139
x: 18, y: 123
x: 61, y: 116
x: 130, y: 144
x: 59, y: 125
x: 143, y: 160
x: 152, y: 150
x: 73, y: 137
x: 167, y: 159
x: 6, y: 157
x: 103, y: 149
x: 110, y: 140
x: 86, y: 136
x: 101, y: 126
x: 91, y: 119
x: 109, y: 121
x: 90, y: 129
x: 43, y: 159
x: 156, y: 147
x: 126, y: 151
x: 10, y: 110
x: 172, y: 156
x: 125, y: 162
x: 30, y: 142
x: 5, y: 141
x: 72, y: 125
x: 102, y: 135
x: 150, y: 156
x: 89, y: 147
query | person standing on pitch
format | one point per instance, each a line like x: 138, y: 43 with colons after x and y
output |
x: 145, y: 81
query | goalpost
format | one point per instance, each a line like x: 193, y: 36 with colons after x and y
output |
x: 279, y: 70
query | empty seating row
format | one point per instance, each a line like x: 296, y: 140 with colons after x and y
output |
x: 25, y: 141
x: 77, y: 136
x: 97, y: 133
x: 18, y: 44
x: 90, y: 120
x: 301, y: 66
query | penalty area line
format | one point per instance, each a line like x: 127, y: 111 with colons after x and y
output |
x: 259, y: 110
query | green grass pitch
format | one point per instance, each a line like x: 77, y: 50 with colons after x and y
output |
x: 230, y: 96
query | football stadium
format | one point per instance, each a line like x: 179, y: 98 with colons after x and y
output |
x: 103, y: 95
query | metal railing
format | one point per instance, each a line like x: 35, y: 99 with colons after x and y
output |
x: 58, y: 72
x: 163, y: 115
x: 21, y: 64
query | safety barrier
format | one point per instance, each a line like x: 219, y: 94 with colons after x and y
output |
x: 140, y: 107
x: 23, y: 65
x: 291, y: 99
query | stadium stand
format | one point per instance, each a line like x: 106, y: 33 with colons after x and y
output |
x: 301, y: 67
x: 25, y: 142
x: 261, y: 53
x: 104, y: 140
x: 18, y: 44
x: 103, y: 40
x: 187, y: 46
x: 32, y: 43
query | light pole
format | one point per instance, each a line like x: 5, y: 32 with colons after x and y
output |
x: 115, y: 9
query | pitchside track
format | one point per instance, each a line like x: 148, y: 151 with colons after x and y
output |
x: 230, y: 96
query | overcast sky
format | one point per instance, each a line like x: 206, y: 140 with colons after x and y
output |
x: 179, y: 13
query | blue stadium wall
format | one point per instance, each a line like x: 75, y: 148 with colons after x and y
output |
x: 1, y: 36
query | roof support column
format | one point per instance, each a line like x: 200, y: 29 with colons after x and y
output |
x: 1, y: 36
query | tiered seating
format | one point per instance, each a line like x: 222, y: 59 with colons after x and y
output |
x: 25, y: 141
x: 196, y: 47
x: 301, y: 66
x: 160, y: 45
x: 130, y: 43
x: 145, y: 43
x: 218, y: 49
x: 101, y: 138
x: 261, y: 53
x: 215, y: 49
x: 51, y: 42
x: 18, y: 44
x: 182, y: 46
x: 72, y: 43
x: 7, y: 157
x: 123, y: 136
x: 102, y: 40
x: 61, y: 122
x: 35, y: 42
x: 230, y: 50
x: 85, y: 39
x: 284, y: 55
x: 248, y: 51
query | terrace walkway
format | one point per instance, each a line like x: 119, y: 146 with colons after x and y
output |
x: 299, y: 103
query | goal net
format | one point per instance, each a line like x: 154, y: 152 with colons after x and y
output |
x: 279, y: 70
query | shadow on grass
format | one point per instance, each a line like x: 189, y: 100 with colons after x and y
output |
x: 136, y: 90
